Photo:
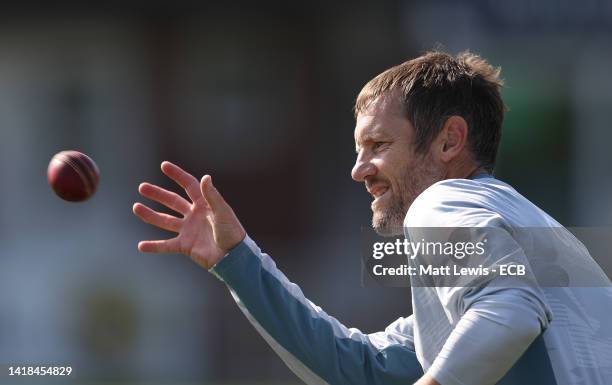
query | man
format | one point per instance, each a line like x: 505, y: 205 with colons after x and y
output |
x: 427, y: 133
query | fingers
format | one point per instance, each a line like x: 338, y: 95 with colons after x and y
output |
x: 163, y: 221
x: 161, y: 246
x: 165, y: 197
x: 212, y: 195
x: 184, y: 179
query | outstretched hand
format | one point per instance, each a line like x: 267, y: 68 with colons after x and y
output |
x: 207, y: 228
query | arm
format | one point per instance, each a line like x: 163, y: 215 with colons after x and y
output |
x: 427, y: 379
x: 317, y: 347
x: 494, y: 319
x: 492, y: 334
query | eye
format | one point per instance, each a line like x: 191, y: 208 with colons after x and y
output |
x: 377, y: 145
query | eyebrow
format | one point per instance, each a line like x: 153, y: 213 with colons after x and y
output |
x: 373, y: 136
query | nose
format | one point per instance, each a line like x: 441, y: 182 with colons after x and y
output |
x: 362, y: 169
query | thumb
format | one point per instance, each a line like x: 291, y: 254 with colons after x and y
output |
x: 212, y: 195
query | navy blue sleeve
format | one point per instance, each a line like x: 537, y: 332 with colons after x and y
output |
x: 316, y: 346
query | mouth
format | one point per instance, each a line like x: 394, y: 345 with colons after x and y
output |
x: 378, y: 192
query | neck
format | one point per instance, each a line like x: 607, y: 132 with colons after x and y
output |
x: 464, y: 169
x: 476, y: 171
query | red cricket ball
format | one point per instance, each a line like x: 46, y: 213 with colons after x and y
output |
x: 73, y: 176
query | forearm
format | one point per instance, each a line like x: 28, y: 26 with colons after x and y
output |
x: 317, y: 347
x: 426, y: 380
x: 489, y: 339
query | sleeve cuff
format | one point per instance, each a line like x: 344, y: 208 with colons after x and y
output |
x: 230, y: 263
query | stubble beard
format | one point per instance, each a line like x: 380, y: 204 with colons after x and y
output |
x: 412, y: 182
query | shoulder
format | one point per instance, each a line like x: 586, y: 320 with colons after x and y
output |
x: 460, y: 203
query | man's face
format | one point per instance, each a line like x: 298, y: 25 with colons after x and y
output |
x: 393, y: 173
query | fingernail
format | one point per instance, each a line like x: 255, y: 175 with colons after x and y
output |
x: 209, y: 183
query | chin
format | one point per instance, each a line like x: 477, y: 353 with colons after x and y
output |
x: 387, y: 224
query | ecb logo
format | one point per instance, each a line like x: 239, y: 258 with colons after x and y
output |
x: 512, y: 270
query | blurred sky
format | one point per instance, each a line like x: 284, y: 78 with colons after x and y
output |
x: 260, y: 96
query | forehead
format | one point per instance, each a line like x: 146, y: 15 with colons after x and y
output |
x: 382, y: 118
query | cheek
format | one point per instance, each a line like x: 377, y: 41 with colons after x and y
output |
x: 395, y: 170
x: 387, y: 162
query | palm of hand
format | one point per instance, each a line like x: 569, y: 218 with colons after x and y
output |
x: 196, y: 238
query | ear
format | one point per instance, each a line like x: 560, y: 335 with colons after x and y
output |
x: 452, y: 138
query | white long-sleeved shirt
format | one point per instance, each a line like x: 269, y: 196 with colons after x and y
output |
x: 473, y: 335
x: 485, y: 335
